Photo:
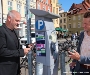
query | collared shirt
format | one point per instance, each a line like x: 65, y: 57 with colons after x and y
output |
x: 85, y: 46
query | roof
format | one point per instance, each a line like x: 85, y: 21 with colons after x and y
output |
x: 43, y: 13
x: 79, y: 8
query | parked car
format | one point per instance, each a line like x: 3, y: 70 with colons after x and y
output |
x: 23, y: 41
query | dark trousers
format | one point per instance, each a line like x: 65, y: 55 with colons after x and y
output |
x: 72, y: 70
x: 83, y: 71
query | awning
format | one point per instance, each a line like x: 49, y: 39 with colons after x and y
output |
x: 58, y: 29
x: 65, y: 30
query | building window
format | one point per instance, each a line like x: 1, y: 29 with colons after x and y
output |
x: 31, y: 0
x: 9, y: 5
x: 53, y: 1
x: 31, y: 15
x: 64, y: 15
x: 69, y: 18
x: 56, y: 10
x: 48, y: 9
x: 19, y: 8
x: 47, y: 1
x: 61, y: 21
x: 60, y: 26
x: 32, y: 30
x: 25, y: 26
x: 57, y: 21
x: 32, y: 26
x: 79, y: 17
x: 20, y: 25
x: 61, y: 15
x: 79, y: 25
x: 53, y: 9
x: 64, y: 20
x: 74, y: 25
x: 25, y: 10
x: 41, y: 0
x: 43, y: 7
x: 64, y: 26
x: 54, y: 21
x: 74, y: 18
x: 69, y: 26
x: 38, y: 5
x: 25, y: 32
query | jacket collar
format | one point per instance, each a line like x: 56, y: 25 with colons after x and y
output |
x: 9, y: 32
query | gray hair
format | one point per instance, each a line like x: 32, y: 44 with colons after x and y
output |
x: 10, y: 14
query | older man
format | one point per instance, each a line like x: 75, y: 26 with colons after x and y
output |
x: 10, y: 51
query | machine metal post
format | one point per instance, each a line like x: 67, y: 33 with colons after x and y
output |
x: 62, y: 57
x: 28, y: 18
x: 39, y: 69
x: 46, y: 43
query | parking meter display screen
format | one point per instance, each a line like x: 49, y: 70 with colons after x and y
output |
x: 40, y: 44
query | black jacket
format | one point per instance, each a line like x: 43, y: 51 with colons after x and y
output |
x: 9, y: 53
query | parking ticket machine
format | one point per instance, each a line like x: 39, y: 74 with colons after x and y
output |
x: 46, y: 42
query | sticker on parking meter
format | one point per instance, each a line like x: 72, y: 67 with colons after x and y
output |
x: 40, y: 43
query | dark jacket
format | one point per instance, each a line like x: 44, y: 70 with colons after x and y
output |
x: 83, y: 59
x: 9, y: 53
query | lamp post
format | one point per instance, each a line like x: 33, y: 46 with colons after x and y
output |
x: 28, y: 19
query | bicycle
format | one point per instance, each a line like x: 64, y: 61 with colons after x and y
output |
x: 24, y: 61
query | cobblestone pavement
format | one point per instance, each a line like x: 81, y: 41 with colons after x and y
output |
x: 25, y: 71
x: 67, y: 70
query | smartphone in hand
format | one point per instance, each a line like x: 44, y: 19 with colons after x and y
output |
x: 71, y: 51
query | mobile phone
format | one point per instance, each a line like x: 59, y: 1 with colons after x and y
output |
x: 71, y: 51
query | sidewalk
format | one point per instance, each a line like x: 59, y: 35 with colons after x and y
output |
x: 62, y: 39
x: 66, y: 66
x: 67, y: 70
x: 25, y: 71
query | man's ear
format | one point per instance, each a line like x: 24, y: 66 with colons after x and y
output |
x: 9, y: 18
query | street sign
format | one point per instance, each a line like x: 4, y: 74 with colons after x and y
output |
x: 39, y: 24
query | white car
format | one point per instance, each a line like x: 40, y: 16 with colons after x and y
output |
x: 23, y: 41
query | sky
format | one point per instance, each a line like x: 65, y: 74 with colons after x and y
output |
x: 66, y: 4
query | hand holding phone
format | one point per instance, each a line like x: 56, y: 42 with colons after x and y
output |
x: 69, y: 52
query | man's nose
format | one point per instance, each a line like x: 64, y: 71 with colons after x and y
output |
x: 18, y: 23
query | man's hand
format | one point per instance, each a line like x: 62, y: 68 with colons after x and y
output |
x: 26, y: 50
x: 30, y: 45
x: 74, y: 55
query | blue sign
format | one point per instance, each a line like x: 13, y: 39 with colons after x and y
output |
x: 39, y: 24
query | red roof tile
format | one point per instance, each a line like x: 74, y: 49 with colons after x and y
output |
x: 79, y: 8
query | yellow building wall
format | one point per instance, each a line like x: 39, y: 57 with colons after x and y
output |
x: 14, y: 7
x: 55, y: 10
x: 74, y: 23
x: 64, y: 16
